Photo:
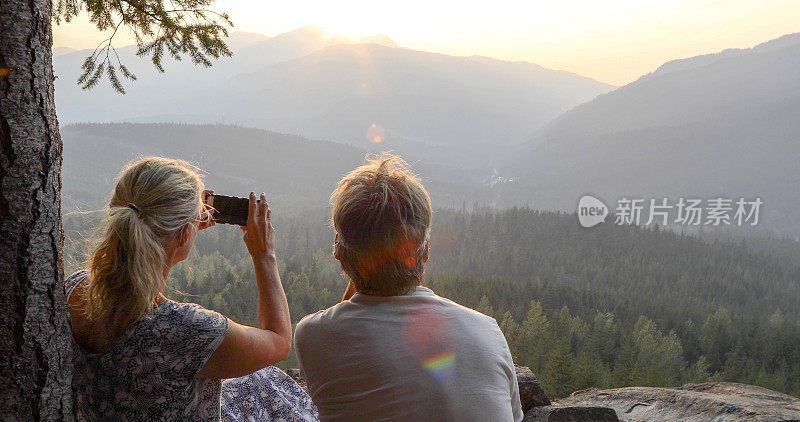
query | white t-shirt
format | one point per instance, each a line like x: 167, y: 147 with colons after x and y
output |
x: 415, y: 357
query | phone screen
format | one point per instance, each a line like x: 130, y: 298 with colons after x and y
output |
x: 229, y: 209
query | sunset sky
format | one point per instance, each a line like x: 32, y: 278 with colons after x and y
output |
x: 614, y: 41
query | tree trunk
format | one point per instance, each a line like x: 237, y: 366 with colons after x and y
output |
x: 35, y: 347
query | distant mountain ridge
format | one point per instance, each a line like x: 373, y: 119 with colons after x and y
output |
x: 58, y: 51
x: 320, y: 86
x: 251, y: 51
x: 706, y: 59
x: 235, y: 160
x: 338, y: 92
x: 726, y: 124
x: 294, y: 171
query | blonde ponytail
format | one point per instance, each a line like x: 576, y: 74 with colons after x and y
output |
x: 152, y: 202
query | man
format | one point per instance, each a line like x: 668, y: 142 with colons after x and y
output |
x: 392, y: 349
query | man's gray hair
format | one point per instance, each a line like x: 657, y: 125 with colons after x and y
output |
x: 382, y: 215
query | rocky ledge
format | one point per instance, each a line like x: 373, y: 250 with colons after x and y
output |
x: 711, y: 401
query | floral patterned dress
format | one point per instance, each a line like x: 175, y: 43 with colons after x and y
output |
x: 149, y: 374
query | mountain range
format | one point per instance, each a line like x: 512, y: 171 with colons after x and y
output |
x: 294, y: 171
x: 726, y: 124
x: 477, y: 129
x: 430, y: 106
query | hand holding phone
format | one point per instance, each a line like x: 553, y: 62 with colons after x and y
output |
x: 258, y: 235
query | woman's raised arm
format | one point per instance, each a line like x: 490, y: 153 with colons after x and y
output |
x: 247, y: 349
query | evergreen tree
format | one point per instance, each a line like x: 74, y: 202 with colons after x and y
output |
x: 559, y: 371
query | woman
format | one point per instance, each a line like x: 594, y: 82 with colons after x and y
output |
x: 141, y: 356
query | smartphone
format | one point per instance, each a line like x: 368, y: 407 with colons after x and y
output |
x: 229, y: 209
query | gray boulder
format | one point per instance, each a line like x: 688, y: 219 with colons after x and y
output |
x: 571, y: 414
x: 717, y: 401
x: 531, y: 393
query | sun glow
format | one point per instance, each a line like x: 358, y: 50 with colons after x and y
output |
x: 615, y: 41
x: 352, y: 30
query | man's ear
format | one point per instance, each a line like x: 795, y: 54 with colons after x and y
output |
x: 336, y: 253
x: 425, y: 253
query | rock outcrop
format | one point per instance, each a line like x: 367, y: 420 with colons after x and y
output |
x: 531, y: 393
x: 713, y: 401
x: 571, y: 414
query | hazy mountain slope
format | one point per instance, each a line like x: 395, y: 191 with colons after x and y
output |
x: 291, y: 169
x: 464, y: 105
x: 727, y: 127
x: 146, y: 98
x: 705, y: 59
x: 430, y: 97
x: 308, y: 83
x: 58, y: 51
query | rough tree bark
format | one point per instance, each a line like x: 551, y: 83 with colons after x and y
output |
x: 35, y: 350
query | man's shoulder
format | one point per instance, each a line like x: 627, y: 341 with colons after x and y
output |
x: 327, y: 321
x: 319, y: 322
x: 465, y: 312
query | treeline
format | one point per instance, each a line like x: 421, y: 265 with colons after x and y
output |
x: 606, y: 307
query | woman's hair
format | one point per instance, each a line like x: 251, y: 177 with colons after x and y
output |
x: 382, y: 215
x: 153, y: 200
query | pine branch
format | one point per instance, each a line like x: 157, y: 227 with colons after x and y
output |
x: 186, y: 28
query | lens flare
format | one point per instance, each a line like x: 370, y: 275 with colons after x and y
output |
x: 376, y: 133
x: 428, y: 338
x: 441, y: 367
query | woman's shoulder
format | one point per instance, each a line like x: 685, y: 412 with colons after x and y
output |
x: 194, y: 317
x: 186, y: 334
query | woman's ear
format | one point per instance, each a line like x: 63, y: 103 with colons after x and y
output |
x: 425, y: 253
x: 185, y: 235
